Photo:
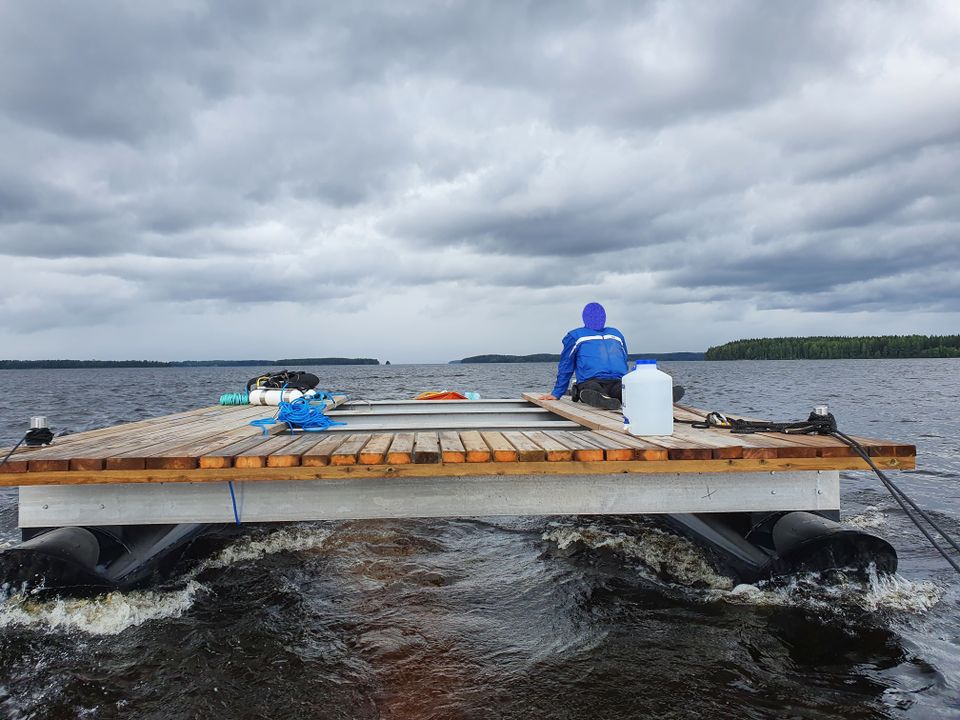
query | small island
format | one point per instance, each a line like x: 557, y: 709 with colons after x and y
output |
x: 838, y: 348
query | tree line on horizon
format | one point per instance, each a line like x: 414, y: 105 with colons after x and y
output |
x: 285, y: 362
x: 842, y: 347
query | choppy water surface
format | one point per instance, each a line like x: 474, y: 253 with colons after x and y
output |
x: 503, y: 617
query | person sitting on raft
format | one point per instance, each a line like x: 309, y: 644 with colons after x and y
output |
x: 598, y: 355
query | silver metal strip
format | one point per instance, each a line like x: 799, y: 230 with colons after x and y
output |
x: 279, y: 501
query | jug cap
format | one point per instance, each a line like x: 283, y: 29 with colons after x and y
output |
x: 646, y: 362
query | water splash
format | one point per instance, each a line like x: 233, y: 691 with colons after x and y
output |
x: 680, y: 561
x: 298, y: 538
x: 108, y: 614
x: 871, y: 517
x: 836, y: 592
x: 669, y: 556
x: 115, y: 612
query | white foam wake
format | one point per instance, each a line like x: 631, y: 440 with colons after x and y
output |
x: 871, y: 517
x: 114, y: 612
x: 680, y: 561
x: 288, y: 539
x: 890, y: 593
x: 108, y: 614
x: 666, y: 554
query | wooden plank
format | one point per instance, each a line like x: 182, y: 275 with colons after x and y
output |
x: 642, y: 450
x: 348, y: 452
x: 598, y: 420
x: 256, y: 456
x: 128, y: 436
x: 527, y: 449
x: 176, y: 456
x: 170, y: 454
x: 613, y: 448
x: 583, y: 451
x: 289, y: 455
x: 375, y: 451
x: 401, y: 449
x: 127, y: 446
x: 451, y: 448
x: 722, y: 445
x: 426, y: 448
x: 477, y: 450
x: 553, y: 450
x: 826, y: 446
x: 501, y: 448
x: 107, y: 432
x: 318, y: 455
x: 93, y: 453
x: 455, y: 470
x: 577, y: 412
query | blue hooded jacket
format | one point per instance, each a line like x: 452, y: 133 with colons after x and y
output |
x: 600, y: 354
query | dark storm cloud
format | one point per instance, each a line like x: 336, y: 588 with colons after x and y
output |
x: 244, y: 154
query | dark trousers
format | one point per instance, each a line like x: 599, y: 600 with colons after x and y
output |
x: 613, y: 388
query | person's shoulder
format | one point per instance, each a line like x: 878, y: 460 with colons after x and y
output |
x: 613, y: 331
x: 580, y: 332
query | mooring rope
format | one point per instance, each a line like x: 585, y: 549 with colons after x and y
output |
x: 827, y: 425
x: 13, y: 450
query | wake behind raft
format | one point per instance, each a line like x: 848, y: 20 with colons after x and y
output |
x: 763, y: 508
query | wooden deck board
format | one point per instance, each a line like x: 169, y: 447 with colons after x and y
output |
x: 476, y: 449
x: 553, y: 451
x: 451, y: 447
x: 348, y: 452
x: 527, y: 449
x: 218, y: 439
x: 318, y: 454
x: 501, y: 448
x: 426, y: 448
x: 375, y: 451
x: 401, y: 449
x: 583, y: 451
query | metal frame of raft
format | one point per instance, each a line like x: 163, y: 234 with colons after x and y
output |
x: 396, y: 459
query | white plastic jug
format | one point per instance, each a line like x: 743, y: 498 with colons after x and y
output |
x: 648, y: 400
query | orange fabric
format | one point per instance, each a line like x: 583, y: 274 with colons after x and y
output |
x: 440, y: 395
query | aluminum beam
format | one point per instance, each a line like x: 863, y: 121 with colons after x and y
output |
x: 279, y: 501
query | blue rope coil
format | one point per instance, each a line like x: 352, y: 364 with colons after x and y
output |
x: 236, y: 398
x: 300, y: 414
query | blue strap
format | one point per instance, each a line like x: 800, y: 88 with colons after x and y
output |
x: 233, y: 499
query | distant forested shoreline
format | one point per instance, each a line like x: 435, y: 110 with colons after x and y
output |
x: 554, y: 357
x: 835, y: 348
x: 286, y: 362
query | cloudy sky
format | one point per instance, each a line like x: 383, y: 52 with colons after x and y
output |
x: 424, y: 181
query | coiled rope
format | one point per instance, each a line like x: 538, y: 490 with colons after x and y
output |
x: 301, y: 414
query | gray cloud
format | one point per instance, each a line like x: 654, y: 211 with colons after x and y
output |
x: 232, y: 162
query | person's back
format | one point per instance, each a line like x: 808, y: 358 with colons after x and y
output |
x: 597, y: 354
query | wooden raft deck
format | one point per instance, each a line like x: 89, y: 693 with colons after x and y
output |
x: 422, y: 438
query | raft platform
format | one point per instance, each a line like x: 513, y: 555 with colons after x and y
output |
x: 424, y: 459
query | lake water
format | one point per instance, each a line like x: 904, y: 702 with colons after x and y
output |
x: 504, y: 617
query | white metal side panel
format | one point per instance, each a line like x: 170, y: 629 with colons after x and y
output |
x: 277, y: 501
